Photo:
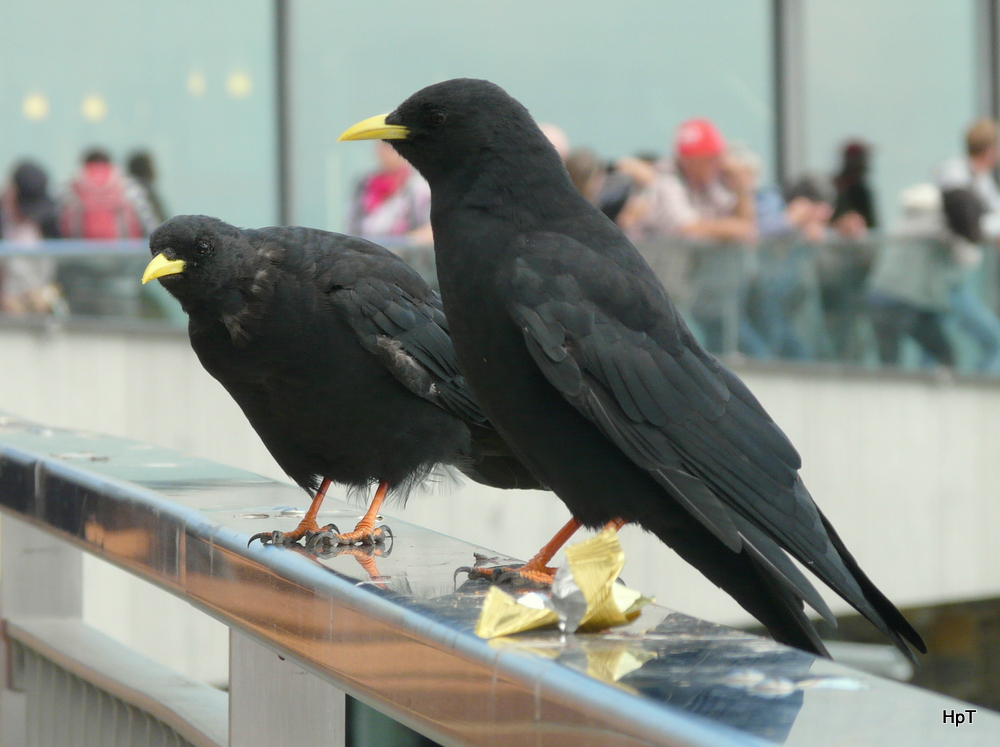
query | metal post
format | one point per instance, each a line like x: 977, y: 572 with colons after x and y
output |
x: 988, y: 62
x: 281, y: 102
x: 42, y: 576
x: 787, y: 30
x: 272, y: 701
x: 988, y: 58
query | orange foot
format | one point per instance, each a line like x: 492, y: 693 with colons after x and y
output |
x: 307, y: 528
x: 364, y: 534
x: 534, y: 571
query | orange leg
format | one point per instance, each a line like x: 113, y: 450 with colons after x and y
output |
x: 306, y: 527
x: 537, y: 569
x: 365, y: 532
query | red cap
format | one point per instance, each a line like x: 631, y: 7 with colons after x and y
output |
x: 699, y: 137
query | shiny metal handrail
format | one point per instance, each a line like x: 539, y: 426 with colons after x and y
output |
x: 392, y: 629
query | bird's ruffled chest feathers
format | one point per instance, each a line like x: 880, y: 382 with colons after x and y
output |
x: 256, y: 295
x: 240, y: 304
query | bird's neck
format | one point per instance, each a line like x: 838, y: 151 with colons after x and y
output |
x: 221, y: 306
x: 509, y: 187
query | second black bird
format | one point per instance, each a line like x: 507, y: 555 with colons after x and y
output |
x: 583, y: 364
x: 339, y: 355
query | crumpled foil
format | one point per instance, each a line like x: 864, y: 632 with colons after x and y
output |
x: 584, y: 595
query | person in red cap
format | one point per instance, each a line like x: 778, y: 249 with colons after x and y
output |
x: 698, y: 194
x: 705, y: 194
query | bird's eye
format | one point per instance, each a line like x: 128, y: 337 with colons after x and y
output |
x: 438, y: 117
x: 203, y: 248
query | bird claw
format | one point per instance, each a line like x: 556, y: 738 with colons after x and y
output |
x: 463, y: 569
x: 360, y: 552
x: 476, y: 571
x: 328, y: 539
x: 268, y: 538
x: 505, y: 575
x: 317, y: 538
x: 292, y: 538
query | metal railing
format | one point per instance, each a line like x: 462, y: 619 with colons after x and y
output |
x: 388, y: 627
x: 81, y: 687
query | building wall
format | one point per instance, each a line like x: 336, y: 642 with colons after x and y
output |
x: 618, y: 77
x: 904, y: 467
x: 190, y: 81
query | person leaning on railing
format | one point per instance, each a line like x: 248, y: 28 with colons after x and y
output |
x: 28, y: 215
x: 702, y: 194
x: 971, y: 204
x: 393, y: 201
x: 912, y: 279
x: 101, y: 203
x: 699, y: 193
x: 786, y: 280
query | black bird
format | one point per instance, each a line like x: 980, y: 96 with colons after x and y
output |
x: 572, y: 347
x: 337, y: 352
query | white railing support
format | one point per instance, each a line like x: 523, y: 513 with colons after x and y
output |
x: 41, y: 576
x: 273, y: 701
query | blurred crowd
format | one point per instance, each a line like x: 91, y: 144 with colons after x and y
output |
x: 101, y: 202
x: 797, y: 271
x: 800, y: 271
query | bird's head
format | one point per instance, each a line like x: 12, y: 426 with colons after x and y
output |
x: 458, y: 125
x: 199, y: 259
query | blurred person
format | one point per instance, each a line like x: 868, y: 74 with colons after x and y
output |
x: 769, y: 202
x: 809, y: 208
x: 605, y: 185
x: 102, y: 203
x: 975, y: 171
x: 556, y: 136
x: 971, y: 208
x: 394, y: 201
x: 786, y: 279
x: 698, y: 194
x: 854, y: 206
x: 701, y: 194
x: 587, y: 172
x: 912, y: 280
x: 141, y: 168
x: 28, y: 215
x: 621, y: 200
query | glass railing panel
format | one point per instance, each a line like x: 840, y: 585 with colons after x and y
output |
x: 894, y: 303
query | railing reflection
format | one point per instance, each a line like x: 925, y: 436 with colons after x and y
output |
x: 863, y: 303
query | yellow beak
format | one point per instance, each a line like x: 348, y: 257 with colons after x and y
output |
x: 159, y: 266
x: 375, y: 128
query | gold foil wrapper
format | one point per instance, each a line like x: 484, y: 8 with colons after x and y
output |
x: 584, y: 595
x: 503, y: 614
